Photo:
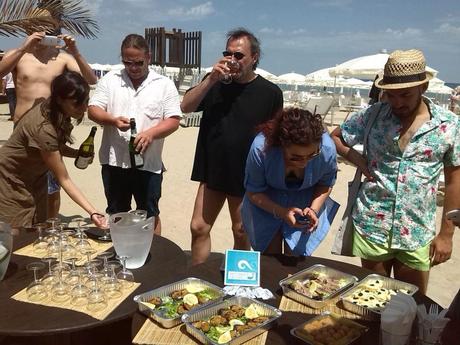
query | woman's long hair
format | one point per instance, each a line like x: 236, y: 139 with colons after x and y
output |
x: 68, y: 85
x: 292, y: 126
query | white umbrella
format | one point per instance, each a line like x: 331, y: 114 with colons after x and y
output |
x: 364, y: 67
x: 264, y: 73
x: 291, y: 78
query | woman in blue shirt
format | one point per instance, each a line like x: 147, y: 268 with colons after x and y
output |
x: 290, y: 171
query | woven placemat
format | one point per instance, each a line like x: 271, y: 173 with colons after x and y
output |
x: 153, y: 334
x: 100, y: 247
x: 100, y: 315
x: 288, y: 304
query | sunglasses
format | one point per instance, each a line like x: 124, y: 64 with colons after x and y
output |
x: 308, y: 158
x: 133, y: 63
x: 237, y: 55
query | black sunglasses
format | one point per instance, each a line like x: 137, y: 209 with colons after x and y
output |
x: 133, y: 63
x: 237, y: 55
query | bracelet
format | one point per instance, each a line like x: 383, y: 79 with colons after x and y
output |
x: 316, y: 213
x: 95, y: 214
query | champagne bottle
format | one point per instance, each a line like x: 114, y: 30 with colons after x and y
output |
x: 137, y: 161
x: 86, y: 151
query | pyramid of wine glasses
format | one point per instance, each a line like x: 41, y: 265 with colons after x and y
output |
x: 73, y: 275
x: 74, y: 241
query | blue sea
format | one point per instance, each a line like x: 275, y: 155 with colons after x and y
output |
x: 452, y: 85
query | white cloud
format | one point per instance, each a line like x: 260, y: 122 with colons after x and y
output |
x: 408, y: 33
x: 195, y: 12
x: 271, y: 31
x: 447, y: 28
x: 332, y: 3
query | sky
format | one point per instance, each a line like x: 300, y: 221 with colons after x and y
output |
x: 296, y: 35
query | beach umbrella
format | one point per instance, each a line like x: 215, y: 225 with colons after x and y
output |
x: 291, y: 78
x: 264, y: 73
x: 364, y: 67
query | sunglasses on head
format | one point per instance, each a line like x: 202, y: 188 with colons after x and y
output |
x: 133, y: 63
x: 237, y: 55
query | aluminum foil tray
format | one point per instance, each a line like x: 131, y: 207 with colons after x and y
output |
x: 165, y: 291
x: 304, y: 331
x: 348, y: 280
x: 373, y: 285
x: 213, y: 309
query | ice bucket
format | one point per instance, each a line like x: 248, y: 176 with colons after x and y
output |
x: 132, y: 236
x: 6, y: 245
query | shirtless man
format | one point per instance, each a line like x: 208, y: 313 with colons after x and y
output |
x: 34, y: 66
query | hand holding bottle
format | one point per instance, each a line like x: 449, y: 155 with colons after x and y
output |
x: 135, y: 153
x: 122, y: 123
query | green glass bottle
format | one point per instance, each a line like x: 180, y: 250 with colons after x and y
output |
x: 137, y: 161
x: 86, y: 151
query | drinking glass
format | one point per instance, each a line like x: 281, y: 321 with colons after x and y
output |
x: 80, y: 221
x: 105, y: 256
x: 51, y: 277
x: 125, y: 276
x: 80, y: 292
x: 60, y: 291
x: 234, y: 66
x: 112, y: 287
x: 73, y: 276
x: 96, y: 298
x: 36, y: 291
x: 40, y: 245
x: 106, y: 228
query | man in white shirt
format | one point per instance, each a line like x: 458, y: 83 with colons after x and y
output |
x: 8, y: 89
x: 153, y: 101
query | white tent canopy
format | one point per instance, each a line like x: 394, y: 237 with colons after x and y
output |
x: 364, y: 67
x: 291, y: 78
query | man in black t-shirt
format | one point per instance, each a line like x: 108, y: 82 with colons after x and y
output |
x: 231, y: 112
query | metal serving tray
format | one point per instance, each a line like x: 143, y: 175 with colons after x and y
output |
x: 387, y: 283
x: 165, y: 291
x: 302, y: 275
x: 296, y: 331
x: 205, y: 313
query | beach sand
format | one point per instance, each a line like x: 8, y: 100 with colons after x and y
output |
x: 176, y: 204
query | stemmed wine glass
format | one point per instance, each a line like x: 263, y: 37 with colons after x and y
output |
x: 79, y: 293
x: 36, y: 291
x: 96, y: 298
x: 106, y: 236
x: 51, y: 277
x: 125, y: 276
x: 112, y: 287
x: 40, y: 245
x: 234, y: 66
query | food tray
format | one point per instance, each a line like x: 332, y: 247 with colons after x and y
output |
x: 302, y: 275
x: 165, y: 291
x: 213, y: 309
x: 385, y: 283
x: 303, y: 331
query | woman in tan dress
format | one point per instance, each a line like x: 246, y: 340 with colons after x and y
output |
x: 35, y: 147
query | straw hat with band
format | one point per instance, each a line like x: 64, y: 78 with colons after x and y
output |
x: 404, y: 68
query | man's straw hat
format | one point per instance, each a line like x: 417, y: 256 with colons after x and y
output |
x: 404, y: 68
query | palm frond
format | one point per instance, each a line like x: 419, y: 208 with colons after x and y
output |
x: 73, y: 16
x: 18, y: 17
x: 21, y: 17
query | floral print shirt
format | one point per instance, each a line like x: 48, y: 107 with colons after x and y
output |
x: 398, y: 208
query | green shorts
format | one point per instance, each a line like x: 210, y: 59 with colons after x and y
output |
x: 418, y: 259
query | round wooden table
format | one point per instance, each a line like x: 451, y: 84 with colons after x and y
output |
x: 34, y: 324
x: 273, y: 269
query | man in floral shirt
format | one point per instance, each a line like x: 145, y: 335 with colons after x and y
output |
x: 410, y: 143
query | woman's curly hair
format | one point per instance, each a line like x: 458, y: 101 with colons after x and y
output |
x: 292, y: 126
